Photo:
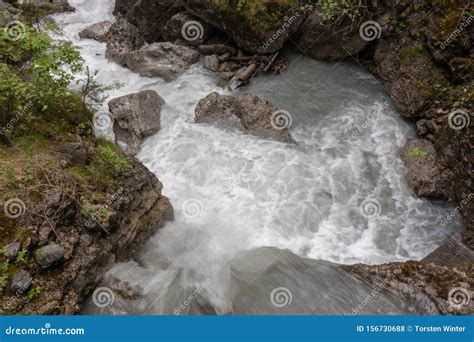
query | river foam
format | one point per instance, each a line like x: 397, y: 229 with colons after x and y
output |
x: 338, y: 195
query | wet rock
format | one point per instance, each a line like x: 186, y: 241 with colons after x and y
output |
x: 136, y: 116
x: 256, y: 116
x: 98, y: 31
x: 224, y: 79
x: 211, y: 63
x: 165, y: 60
x: 245, y: 73
x: 423, y: 172
x: 149, y: 16
x: 21, y: 282
x: 217, y: 49
x: 323, y: 41
x: 49, y: 255
x: 186, y: 28
x: 409, y: 76
x: 126, y: 290
x: 452, y: 252
x: 122, y: 38
x: 11, y: 251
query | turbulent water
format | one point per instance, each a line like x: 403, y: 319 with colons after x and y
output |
x: 339, y: 195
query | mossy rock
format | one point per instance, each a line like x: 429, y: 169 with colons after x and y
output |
x: 255, y: 26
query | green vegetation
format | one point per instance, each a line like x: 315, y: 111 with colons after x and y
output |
x: 110, y: 157
x: 22, y: 257
x: 38, y: 115
x: 34, y: 293
x: 3, y: 283
x: 35, y: 73
x: 417, y: 152
x: 331, y: 10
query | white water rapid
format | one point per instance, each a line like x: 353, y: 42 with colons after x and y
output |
x: 233, y: 192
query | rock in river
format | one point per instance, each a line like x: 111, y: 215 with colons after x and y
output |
x: 256, y: 116
x: 136, y: 116
x: 165, y: 60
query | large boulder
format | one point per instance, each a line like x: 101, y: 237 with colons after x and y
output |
x: 136, y: 116
x: 410, y: 75
x: 321, y: 39
x: 423, y: 171
x: 149, y: 16
x: 98, y: 31
x: 122, y: 38
x: 186, y: 29
x: 255, y: 26
x: 52, y: 5
x: 256, y: 116
x: 165, y: 60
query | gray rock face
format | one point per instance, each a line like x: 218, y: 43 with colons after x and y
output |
x: 423, y: 171
x: 258, y: 27
x: 165, y: 60
x: 186, y: 29
x: 450, y: 253
x: 21, y: 282
x: 122, y: 38
x: 256, y: 116
x: 12, y: 250
x: 136, y: 116
x: 48, y: 255
x: 149, y: 16
x: 322, y: 41
x: 98, y: 31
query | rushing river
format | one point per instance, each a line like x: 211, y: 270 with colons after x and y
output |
x: 339, y: 195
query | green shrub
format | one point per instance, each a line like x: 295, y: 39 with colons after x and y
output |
x: 110, y: 157
x: 35, y: 72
